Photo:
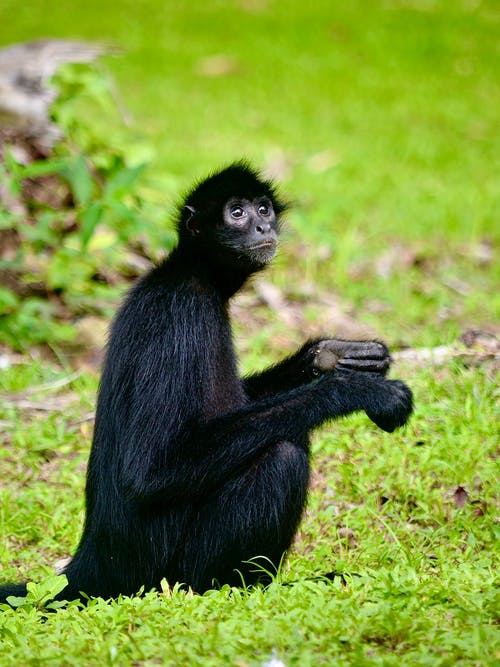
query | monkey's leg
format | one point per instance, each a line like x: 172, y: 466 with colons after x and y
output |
x: 242, y: 531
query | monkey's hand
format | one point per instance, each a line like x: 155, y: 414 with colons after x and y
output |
x: 354, y: 355
x: 391, y: 405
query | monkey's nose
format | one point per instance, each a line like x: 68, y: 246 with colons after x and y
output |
x: 263, y: 228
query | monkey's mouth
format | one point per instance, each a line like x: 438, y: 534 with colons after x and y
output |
x: 262, y: 253
x: 265, y: 244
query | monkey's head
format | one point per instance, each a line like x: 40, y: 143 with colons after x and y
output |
x: 233, y: 217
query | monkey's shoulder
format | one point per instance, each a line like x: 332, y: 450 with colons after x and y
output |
x: 164, y: 310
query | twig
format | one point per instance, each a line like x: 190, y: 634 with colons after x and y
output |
x: 443, y: 353
x: 49, y: 405
x: 56, y: 384
x: 85, y: 418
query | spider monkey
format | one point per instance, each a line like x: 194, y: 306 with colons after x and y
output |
x: 193, y: 470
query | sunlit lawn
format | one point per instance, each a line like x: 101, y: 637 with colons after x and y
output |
x: 380, y: 121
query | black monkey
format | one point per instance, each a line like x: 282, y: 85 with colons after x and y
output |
x: 194, y: 471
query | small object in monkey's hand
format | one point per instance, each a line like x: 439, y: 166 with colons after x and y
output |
x: 325, y: 360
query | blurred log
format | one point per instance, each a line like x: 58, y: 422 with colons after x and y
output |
x: 25, y: 91
x: 473, y: 346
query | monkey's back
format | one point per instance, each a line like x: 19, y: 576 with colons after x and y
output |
x: 170, y: 364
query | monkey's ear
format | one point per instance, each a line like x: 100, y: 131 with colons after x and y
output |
x: 191, y: 219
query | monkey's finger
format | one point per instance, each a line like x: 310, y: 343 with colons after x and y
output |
x: 370, y: 365
x: 389, y: 422
x: 386, y: 425
x: 354, y: 349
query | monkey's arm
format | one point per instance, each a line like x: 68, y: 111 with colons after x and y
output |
x: 314, y: 358
x: 212, y: 453
x: 290, y: 373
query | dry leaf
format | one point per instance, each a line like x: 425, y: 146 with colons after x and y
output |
x: 460, y: 497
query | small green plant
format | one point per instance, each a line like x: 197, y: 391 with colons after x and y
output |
x: 39, y: 594
x: 79, y: 230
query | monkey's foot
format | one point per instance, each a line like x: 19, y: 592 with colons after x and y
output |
x: 353, y: 355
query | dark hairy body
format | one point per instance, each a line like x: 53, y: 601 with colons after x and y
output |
x: 194, y: 471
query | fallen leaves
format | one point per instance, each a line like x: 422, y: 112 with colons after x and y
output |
x: 460, y: 497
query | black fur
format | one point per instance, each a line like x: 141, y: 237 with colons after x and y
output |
x: 193, y: 471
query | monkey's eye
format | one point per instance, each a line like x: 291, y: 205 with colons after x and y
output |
x: 264, y: 209
x: 237, y: 212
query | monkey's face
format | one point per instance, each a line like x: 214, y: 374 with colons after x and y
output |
x: 248, y: 230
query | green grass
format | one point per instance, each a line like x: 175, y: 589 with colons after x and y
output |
x: 380, y: 120
x: 420, y: 580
